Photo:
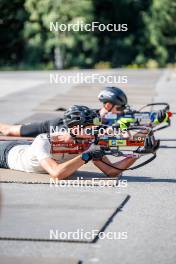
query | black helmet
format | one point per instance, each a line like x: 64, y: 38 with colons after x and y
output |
x: 79, y: 115
x: 114, y: 96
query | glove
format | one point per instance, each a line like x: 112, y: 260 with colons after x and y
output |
x: 161, y: 115
x: 125, y: 122
x: 94, y: 152
x: 150, y: 146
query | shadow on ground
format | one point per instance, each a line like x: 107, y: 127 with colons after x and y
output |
x: 147, y: 179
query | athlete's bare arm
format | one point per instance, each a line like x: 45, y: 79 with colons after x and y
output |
x: 109, y: 171
x: 63, y: 170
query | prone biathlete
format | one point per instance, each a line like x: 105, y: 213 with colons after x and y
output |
x: 37, y: 156
x: 114, y: 101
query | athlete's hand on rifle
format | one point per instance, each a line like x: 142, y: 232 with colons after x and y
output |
x: 150, y: 145
x: 124, y: 123
x: 66, y: 138
x: 94, y: 152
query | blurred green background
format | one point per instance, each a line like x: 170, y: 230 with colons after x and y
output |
x: 27, y: 43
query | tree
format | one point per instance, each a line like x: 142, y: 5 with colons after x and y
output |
x: 13, y: 16
x: 121, y: 48
x: 75, y: 47
x: 159, y: 42
x: 26, y: 38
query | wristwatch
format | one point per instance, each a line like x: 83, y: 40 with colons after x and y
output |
x: 85, y: 157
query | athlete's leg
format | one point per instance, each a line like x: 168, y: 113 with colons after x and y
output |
x: 34, y: 129
x: 5, y: 147
x: 10, y: 130
x: 30, y: 130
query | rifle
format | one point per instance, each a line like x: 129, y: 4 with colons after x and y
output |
x: 138, y: 117
x: 115, y: 146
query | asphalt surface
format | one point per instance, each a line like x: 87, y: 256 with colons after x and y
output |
x: 142, y: 214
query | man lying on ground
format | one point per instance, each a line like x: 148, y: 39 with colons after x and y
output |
x: 114, y: 101
x: 38, y: 157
